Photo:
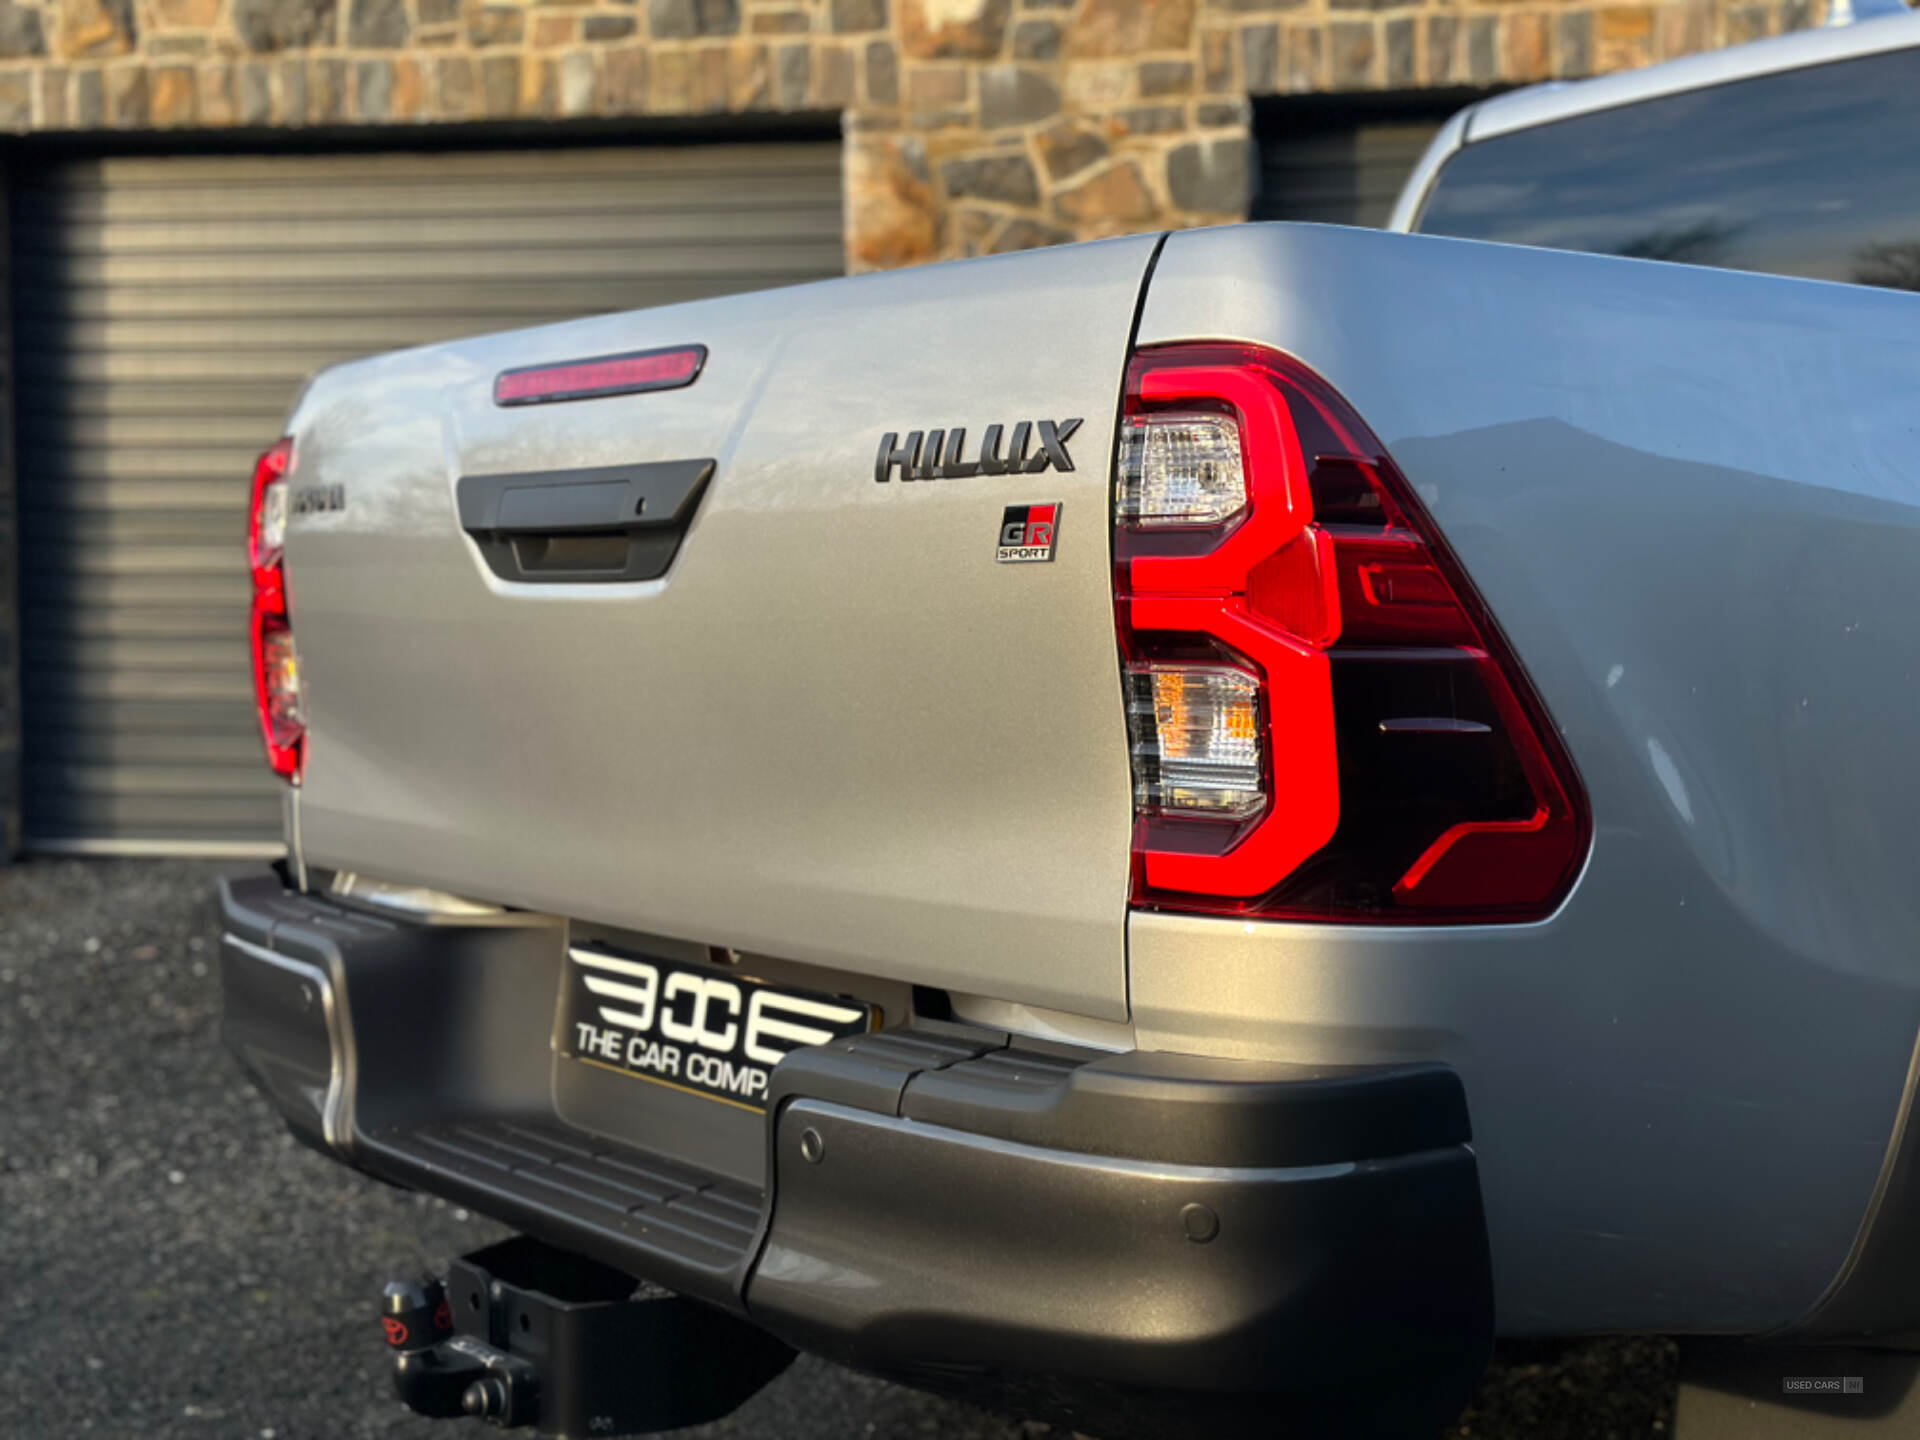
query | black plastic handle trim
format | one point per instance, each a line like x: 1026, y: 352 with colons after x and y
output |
x: 546, y: 526
x: 583, y: 502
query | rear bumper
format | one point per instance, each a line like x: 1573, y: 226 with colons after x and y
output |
x: 1141, y: 1243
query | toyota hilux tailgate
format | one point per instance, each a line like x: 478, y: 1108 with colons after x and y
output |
x: 844, y: 722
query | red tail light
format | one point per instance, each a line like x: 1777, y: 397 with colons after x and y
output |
x: 1409, y: 772
x: 276, y: 667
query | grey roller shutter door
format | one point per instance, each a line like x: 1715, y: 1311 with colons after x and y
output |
x: 168, y: 309
x: 1336, y: 173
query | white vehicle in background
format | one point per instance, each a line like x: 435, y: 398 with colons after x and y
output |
x: 1793, y: 156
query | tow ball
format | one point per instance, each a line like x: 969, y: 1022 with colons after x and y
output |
x: 524, y: 1334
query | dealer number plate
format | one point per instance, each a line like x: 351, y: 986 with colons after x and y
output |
x: 691, y: 1027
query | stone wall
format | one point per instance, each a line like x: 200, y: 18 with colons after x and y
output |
x: 1019, y: 122
x: 972, y: 125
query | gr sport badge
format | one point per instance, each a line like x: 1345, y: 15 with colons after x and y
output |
x: 1027, y: 533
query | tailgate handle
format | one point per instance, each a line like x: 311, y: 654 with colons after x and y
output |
x: 610, y: 523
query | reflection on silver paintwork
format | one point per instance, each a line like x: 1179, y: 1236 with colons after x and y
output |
x: 1670, y: 780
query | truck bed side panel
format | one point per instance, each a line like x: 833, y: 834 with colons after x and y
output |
x: 1692, y: 500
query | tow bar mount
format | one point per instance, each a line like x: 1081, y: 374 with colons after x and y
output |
x: 524, y: 1334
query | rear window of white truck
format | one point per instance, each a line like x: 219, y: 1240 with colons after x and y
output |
x: 1812, y: 172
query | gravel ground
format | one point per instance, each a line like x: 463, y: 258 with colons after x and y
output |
x: 172, y: 1264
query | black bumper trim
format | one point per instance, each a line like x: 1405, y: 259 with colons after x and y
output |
x: 623, y: 1206
x: 1145, y: 1105
x: 1135, y: 1244
x: 1336, y: 1290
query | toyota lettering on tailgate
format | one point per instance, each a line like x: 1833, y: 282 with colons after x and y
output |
x: 685, y: 1026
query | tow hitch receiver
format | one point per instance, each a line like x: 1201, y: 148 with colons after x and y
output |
x: 523, y: 1334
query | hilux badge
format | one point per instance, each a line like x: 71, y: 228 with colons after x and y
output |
x: 1027, y: 533
x: 938, y: 454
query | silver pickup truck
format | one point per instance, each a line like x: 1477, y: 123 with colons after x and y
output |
x: 1170, y: 834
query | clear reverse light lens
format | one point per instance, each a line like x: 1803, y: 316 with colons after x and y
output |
x: 1195, y: 733
x: 285, y: 706
x: 1180, y: 470
x: 273, y: 522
